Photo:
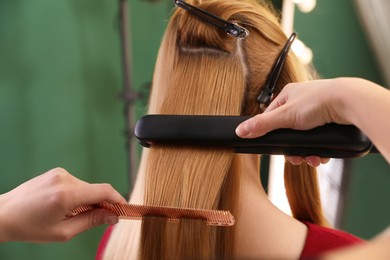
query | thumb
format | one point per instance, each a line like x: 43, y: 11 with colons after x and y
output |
x: 92, y: 218
x: 261, y: 124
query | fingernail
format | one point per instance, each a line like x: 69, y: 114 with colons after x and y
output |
x: 110, y: 220
x: 311, y: 164
x: 242, y: 131
x: 297, y: 161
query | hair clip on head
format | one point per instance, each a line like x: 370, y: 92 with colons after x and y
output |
x: 232, y: 29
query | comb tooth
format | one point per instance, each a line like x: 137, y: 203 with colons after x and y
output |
x: 121, y: 210
x: 112, y: 207
x: 85, y: 208
x: 174, y: 220
x: 126, y: 211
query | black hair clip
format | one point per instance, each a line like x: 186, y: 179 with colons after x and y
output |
x: 230, y: 28
x: 265, y: 96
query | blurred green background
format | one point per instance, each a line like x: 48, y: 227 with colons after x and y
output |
x: 60, y: 80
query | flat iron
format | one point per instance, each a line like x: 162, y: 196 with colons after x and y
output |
x: 327, y: 141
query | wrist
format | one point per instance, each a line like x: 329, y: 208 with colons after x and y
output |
x: 342, y: 99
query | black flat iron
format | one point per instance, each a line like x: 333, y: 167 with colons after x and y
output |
x: 328, y: 141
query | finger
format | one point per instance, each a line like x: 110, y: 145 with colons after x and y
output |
x: 94, y: 193
x: 280, y: 100
x: 325, y: 160
x: 84, y: 221
x: 313, y: 161
x: 261, y: 124
x: 295, y: 160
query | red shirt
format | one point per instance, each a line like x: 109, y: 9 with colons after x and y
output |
x: 103, y: 243
x: 319, y: 240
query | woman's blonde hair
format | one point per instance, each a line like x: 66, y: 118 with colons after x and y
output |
x: 201, y: 70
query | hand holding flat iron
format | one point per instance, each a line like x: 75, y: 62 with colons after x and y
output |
x: 306, y: 105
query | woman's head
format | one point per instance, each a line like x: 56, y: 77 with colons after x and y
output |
x: 202, y: 70
x: 189, y: 39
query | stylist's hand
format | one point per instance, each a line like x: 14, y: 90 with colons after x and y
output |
x: 39, y: 209
x: 299, y: 106
x: 377, y: 248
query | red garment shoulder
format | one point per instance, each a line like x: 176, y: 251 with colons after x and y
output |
x: 321, y: 239
x: 103, y: 242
